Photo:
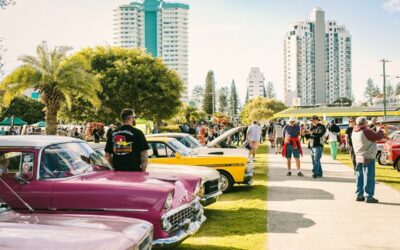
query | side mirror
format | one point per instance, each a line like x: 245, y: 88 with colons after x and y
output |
x: 178, y: 155
x: 23, y: 178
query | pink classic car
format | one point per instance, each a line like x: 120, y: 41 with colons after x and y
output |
x: 61, y: 175
x: 40, y: 231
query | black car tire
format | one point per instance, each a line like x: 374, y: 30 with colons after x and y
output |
x: 380, y: 160
x: 227, y: 181
x: 397, y: 164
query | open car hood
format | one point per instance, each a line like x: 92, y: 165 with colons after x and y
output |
x: 224, y: 136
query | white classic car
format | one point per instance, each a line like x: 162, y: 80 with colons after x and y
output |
x: 213, y: 147
x: 210, y: 178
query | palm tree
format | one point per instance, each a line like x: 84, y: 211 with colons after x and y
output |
x: 56, y: 76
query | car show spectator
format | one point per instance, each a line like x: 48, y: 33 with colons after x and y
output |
x: 349, y: 143
x: 316, y: 143
x: 364, y: 143
x: 278, y: 135
x: 253, y: 137
x: 126, y: 148
x: 332, y: 134
x: 292, y: 146
x: 96, y: 135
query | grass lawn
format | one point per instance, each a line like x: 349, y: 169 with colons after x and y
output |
x: 239, y: 219
x: 384, y: 174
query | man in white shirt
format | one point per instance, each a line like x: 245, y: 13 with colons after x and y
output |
x: 278, y: 135
x: 253, y: 137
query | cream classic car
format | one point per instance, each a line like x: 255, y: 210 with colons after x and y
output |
x: 210, y: 178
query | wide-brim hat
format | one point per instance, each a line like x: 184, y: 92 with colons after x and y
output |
x: 292, y: 119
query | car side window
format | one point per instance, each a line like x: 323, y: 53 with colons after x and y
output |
x: 17, y: 162
x: 160, y: 150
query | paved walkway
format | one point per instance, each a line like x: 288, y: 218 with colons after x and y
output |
x: 307, y: 213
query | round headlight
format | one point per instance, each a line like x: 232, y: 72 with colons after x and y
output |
x: 166, y: 225
x: 199, y: 191
x: 168, y: 202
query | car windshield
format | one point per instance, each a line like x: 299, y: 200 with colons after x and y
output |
x: 179, y: 147
x: 193, y: 142
x: 68, y: 159
x: 394, y: 135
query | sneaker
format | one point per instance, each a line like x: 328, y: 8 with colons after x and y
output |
x: 360, y: 198
x: 371, y: 200
x: 300, y: 174
x: 289, y: 173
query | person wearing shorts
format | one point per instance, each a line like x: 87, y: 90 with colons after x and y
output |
x: 253, y: 137
x: 278, y: 137
x: 292, y: 146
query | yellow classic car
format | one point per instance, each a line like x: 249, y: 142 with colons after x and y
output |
x: 233, y: 169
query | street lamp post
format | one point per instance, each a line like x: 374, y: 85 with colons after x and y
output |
x: 384, y: 88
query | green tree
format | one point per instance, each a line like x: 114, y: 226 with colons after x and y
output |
x: 56, y: 76
x: 269, y: 90
x: 209, y: 94
x: 261, y: 109
x: 130, y: 78
x: 371, y: 90
x: 233, y: 101
x: 223, y: 102
x: 397, y: 91
x: 389, y: 89
x: 5, y: 3
x: 343, y: 102
x: 197, y: 95
x: 25, y: 108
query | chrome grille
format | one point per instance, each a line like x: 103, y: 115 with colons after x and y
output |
x: 180, y: 217
x: 146, y: 243
x: 211, y: 187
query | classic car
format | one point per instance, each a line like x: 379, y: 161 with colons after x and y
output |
x: 214, y: 147
x: 64, y: 175
x: 233, y: 169
x: 391, y: 152
x: 392, y: 132
x: 210, y: 178
x: 49, y: 231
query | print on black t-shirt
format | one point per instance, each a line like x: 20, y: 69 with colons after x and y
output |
x: 126, y: 144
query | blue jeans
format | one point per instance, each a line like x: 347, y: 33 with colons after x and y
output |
x: 316, y: 154
x: 365, y: 176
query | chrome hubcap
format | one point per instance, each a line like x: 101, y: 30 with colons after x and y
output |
x: 224, y: 182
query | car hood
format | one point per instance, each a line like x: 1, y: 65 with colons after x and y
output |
x: 205, y: 173
x: 222, y: 151
x: 70, y: 231
x: 224, y: 136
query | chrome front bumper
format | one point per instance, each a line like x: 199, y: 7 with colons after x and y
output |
x: 249, y: 173
x: 210, y: 199
x: 187, y: 230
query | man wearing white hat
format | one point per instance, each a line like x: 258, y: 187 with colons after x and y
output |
x: 292, y: 146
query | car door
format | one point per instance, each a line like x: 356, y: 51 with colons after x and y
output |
x: 160, y: 152
x: 21, y: 177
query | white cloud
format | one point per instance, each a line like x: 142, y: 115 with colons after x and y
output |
x: 392, y: 5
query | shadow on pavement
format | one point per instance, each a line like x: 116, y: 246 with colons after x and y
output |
x: 279, y: 174
x: 287, y: 222
x: 277, y: 193
x: 388, y: 203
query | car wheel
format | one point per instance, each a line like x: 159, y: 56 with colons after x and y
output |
x: 397, y: 164
x: 226, y: 181
x: 380, y: 160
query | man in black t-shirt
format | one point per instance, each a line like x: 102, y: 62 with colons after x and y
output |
x: 126, y: 148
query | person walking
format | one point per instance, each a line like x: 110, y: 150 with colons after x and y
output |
x: 271, y: 137
x: 126, y: 149
x: 278, y: 135
x: 253, y: 137
x: 96, y: 134
x: 110, y: 130
x: 292, y: 146
x: 349, y: 143
x: 316, y: 144
x: 364, y: 143
x: 302, y: 129
x: 332, y: 134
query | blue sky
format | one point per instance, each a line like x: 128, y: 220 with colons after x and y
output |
x: 227, y: 36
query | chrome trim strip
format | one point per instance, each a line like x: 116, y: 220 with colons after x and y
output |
x: 205, y: 197
x: 133, y: 210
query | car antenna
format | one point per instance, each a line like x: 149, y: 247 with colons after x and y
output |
x: 19, y: 197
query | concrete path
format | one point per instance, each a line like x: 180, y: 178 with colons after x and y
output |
x: 307, y: 213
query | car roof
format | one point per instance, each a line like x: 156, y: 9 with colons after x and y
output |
x: 168, y: 135
x: 162, y: 139
x: 34, y: 140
